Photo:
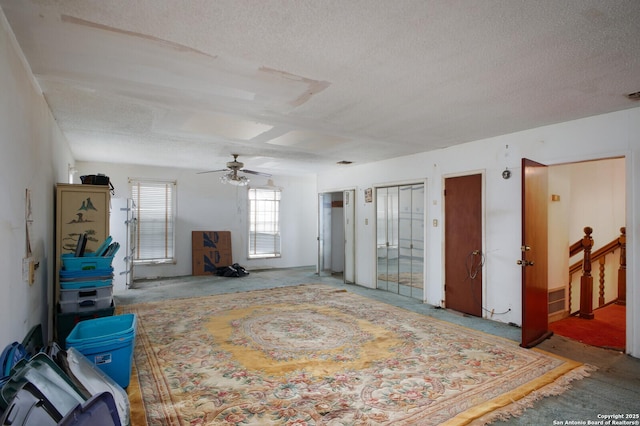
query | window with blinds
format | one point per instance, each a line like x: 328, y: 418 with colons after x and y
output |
x: 264, y: 223
x: 155, y: 203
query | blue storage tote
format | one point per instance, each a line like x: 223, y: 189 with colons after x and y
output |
x: 85, y: 263
x: 77, y: 285
x: 86, y: 275
x: 66, y: 322
x: 107, y: 342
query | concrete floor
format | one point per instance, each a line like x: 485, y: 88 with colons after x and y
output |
x: 614, y: 388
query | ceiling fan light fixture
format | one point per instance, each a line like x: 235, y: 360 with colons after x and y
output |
x: 233, y: 179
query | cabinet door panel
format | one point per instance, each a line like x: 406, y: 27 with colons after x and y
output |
x: 80, y: 209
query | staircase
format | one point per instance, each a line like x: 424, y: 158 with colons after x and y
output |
x: 610, y: 289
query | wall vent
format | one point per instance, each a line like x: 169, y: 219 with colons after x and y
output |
x: 556, y: 300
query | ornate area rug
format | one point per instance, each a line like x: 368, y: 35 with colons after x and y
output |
x: 316, y: 355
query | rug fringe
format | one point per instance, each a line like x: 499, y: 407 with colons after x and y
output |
x: 518, y: 407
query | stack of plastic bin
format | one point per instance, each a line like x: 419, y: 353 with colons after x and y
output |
x: 48, y: 386
x: 86, y: 290
x: 42, y: 373
x: 107, y: 342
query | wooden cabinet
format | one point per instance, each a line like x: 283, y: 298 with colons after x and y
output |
x: 80, y: 209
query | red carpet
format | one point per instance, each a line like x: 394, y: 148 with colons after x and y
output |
x: 606, y: 330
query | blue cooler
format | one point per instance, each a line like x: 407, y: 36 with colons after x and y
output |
x: 107, y: 342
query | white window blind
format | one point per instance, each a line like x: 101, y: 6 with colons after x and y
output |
x: 155, y: 203
x: 264, y: 223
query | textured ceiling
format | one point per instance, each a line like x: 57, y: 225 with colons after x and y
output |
x: 296, y: 86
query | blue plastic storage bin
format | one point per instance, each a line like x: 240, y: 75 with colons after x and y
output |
x: 86, y: 275
x: 85, y: 263
x: 77, y: 285
x: 107, y: 342
x: 98, y: 330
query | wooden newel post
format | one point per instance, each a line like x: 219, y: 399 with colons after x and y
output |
x: 622, y: 270
x: 586, y: 280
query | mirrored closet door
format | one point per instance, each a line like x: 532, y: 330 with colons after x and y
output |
x: 400, y: 239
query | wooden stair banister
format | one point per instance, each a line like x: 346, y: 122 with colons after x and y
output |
x: 586, y: 280
x: 597, y: 256
x: 575, y: 249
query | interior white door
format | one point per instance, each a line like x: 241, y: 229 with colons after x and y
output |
x: 349, y: 236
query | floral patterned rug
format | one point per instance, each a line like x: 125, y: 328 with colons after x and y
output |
x: 317, y: 355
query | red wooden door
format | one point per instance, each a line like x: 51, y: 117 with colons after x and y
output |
x: 463, y: 244
x: 535, y: 312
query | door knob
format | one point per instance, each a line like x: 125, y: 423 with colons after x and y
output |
x: 524, y: 248
x: 525, y: 262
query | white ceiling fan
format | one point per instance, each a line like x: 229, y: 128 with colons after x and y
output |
x: 232, y: 177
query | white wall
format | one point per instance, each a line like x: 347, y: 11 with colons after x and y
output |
x: 559, y: 224
x: 205, y: 204
x: 604, y: 136
x: 606, y: 213
x: 35, y: 156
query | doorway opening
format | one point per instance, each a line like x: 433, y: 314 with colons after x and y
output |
x: 588, y: 194
x: 336, y: 235
x: 562, y: 205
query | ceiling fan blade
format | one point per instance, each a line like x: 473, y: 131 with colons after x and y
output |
x: 213, y: 171
x: 255, y: 173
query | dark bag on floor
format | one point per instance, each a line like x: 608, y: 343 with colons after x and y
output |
x: 225, y: 271
x: 241, y: 271
x: 234, y: 270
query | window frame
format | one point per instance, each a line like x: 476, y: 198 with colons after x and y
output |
x: 169, y: 237
x: 275, y: 223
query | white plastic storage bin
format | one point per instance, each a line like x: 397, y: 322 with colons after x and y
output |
x: 86, y: 299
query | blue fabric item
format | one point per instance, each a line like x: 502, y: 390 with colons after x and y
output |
x: 11, y: 355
